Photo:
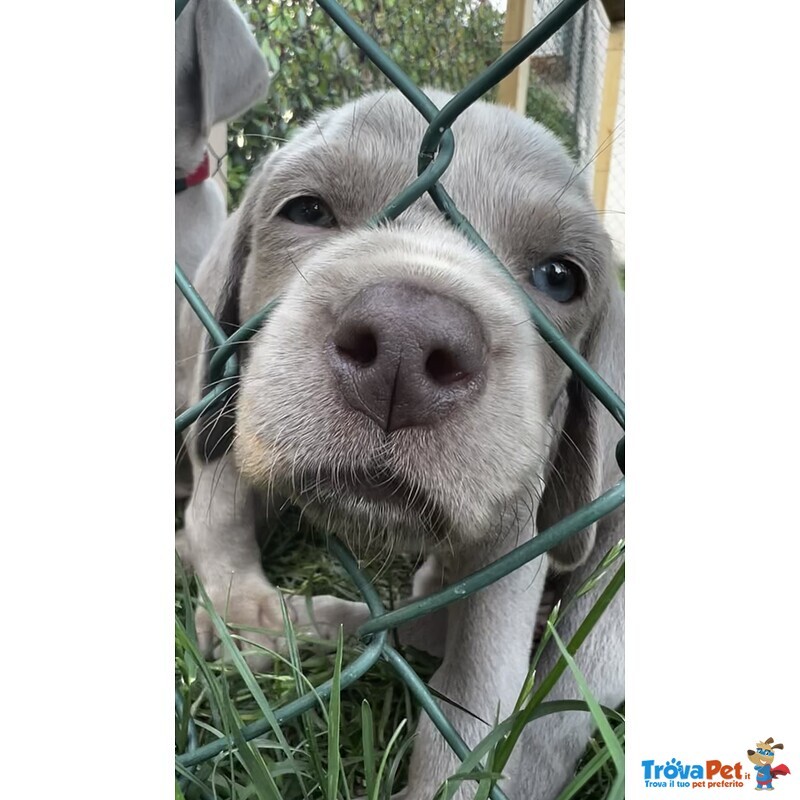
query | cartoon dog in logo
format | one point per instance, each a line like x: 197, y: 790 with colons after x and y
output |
x: 762, y: 757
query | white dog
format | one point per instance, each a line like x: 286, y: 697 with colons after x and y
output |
x: 402, y: 398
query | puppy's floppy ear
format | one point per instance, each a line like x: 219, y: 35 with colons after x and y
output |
x: 219, y: 73
x: 233, y: 71
x: 215, y: 427
x: 583, y: 462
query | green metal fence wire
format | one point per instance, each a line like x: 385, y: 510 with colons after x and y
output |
x: 436, y: 152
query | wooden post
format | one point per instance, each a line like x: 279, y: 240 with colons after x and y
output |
x: 513, y: 89
x: 218, y: 144
x: 608, y: 111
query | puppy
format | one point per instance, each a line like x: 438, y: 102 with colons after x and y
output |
x: 401, y: 397
x: 219, y: 73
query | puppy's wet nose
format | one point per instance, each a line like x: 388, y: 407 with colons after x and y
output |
x: 406, y: 356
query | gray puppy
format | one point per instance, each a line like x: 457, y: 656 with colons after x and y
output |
x: 219, y: 73
x: 401, y: 397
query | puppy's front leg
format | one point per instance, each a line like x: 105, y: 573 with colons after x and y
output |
x: 221, y: 537
x: 485, y: 664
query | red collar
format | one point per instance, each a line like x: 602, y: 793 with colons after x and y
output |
x: 198, y: 176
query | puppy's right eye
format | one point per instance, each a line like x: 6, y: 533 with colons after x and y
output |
x: 560, y: 279
x: 309, y: 210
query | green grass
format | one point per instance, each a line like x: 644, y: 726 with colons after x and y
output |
x: 356, y: 744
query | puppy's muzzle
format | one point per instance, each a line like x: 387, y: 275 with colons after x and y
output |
x: 405, y: 356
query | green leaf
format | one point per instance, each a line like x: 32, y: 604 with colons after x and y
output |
x: 334, y: 721
x: 368, y: 745
x: 272, y: 58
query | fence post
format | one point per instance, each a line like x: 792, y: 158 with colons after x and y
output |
x: 513, y: 89
x: 608, y: 110
x: 218, y: 146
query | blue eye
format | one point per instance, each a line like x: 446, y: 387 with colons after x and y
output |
x: 557, y: 278
x: 308, y: 210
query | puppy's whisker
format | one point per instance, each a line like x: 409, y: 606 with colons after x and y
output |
x: 297, y: 269
x: 601, y: 148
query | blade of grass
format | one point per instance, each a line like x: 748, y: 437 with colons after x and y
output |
x: 368, y: 746
x: 302, y: 684
x: 484, y: 779
x: 297, y: 673
x: 559, y: 610
x: 188, y: 609
x: 473, y: 761
x: 384, y: 759
x: 530, y: 680
x: 397, y: 760
x: 254, y: 764
x: 471, y: 767
x: 618, y: 789
x: 245, y: 753
x: 211, y: 685
x: 238, y: 661
x: 334, y: 721
x: 586, y: 773
x: 584, y: 629
x: 190, y: 778
x: 611, y: 741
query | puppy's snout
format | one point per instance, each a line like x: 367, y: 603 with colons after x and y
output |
x: 406, y: 356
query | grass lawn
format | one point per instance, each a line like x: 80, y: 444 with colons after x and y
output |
x: 357, y: 744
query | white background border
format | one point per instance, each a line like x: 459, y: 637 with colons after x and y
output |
x: 712, y: 444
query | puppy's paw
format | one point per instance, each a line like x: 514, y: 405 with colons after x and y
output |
x: 322, y: 615
x: 251, y: 608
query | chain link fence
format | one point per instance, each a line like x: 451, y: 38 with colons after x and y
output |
x: 441, y: 44
x: 571, y: 67
x: 455, y: 45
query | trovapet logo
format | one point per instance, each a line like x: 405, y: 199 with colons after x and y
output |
x: 714, y: 773
x: 708, y: 774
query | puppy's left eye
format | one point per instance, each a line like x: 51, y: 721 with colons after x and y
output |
x: 558, y: 278
x: 309, y: 210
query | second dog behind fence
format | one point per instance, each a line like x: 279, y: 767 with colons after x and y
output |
x: 401, y: 398
x: 219, y: 73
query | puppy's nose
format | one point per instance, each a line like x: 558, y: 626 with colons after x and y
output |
x: 406, y: 356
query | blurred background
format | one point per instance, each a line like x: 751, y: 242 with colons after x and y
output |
x: 575, y: 83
